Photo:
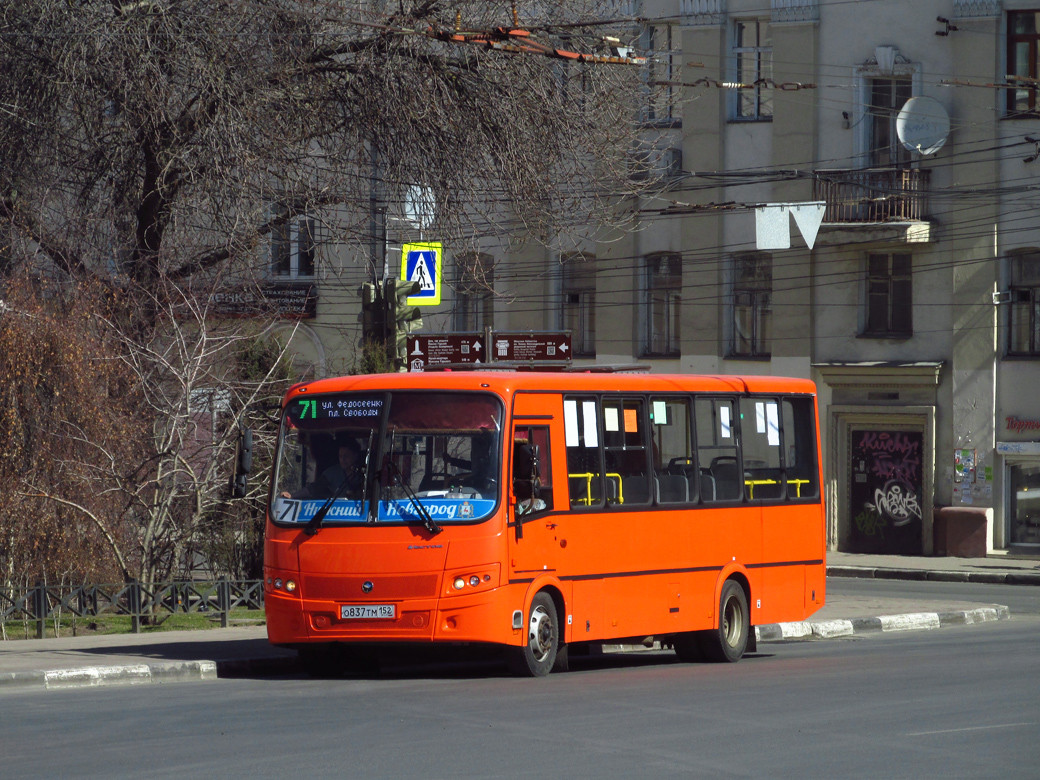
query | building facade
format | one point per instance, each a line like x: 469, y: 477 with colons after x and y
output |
x: 915, y: 306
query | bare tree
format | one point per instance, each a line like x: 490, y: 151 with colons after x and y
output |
x: 152, y: 146
x: 161, y: 138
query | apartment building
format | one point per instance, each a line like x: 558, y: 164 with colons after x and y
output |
x: 915, y: 306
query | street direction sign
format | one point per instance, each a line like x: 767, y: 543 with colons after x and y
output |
x: 430, y: 349
x: 531, y: 346
x: 421, y: 262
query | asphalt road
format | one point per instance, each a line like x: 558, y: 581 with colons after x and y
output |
x: 961, y: 702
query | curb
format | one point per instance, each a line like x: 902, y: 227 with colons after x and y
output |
x: 922, y: 575
x: 836, y: 629
x: 144, y: 674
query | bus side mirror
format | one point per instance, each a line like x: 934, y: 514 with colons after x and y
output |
x: 243, y: 463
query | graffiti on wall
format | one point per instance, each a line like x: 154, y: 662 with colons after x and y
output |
x: 886, y: 491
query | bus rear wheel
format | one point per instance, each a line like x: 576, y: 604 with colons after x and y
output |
x: 727, y: 642
x: 538, y: 655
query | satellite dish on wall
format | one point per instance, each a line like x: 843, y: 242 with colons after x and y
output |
x: 923, y: 125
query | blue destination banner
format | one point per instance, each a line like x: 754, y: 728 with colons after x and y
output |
x: 287, y: 510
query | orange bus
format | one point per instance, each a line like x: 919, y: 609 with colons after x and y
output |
x: 542, y: 512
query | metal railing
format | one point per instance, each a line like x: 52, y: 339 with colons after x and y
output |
x: 872, y: 194
x: 41, y: 602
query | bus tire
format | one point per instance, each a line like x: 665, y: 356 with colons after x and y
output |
x: 538, y: 655
x: 727, y: 642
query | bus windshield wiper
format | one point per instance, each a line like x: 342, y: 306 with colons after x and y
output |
x: 428, y: 521
x: 315, y: 522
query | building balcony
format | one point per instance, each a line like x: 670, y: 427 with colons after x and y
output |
x: 892, y: 202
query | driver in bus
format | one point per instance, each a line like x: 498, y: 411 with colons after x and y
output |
x: 344, y: 479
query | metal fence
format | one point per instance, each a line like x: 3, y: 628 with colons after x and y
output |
x: 42, y: 601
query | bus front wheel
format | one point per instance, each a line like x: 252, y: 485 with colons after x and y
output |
x: 538, y: 655
x: 727, y: 642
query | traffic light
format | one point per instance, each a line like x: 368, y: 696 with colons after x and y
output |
x: 373, y: 312
x: 402, y: 318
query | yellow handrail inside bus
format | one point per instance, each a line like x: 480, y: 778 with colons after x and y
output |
x: 796, y: 482
x: 588, y: 477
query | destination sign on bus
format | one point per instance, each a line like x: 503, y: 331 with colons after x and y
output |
x: 304, y: 411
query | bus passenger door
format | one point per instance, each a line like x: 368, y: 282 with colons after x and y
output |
x: 534, y: 539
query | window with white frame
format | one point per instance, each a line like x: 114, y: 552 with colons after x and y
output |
x: 1023, y: 309
x: 753, y: 58
x: 889, y: 295
x: 752, y: 305
x: 663, y: 303
x: 474, y: 291
x: 578, y: 304
x: 664, y: 59
x: 1023, y: 60
x: 294, y: 248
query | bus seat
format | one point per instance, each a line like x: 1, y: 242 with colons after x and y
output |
x: 635, y: 490
x: 671, y: 489
x: 707, y: 485
x: 729, y: 482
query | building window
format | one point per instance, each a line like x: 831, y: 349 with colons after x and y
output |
x: 752, y: 305
x: 578, y: 307
x: 1024, y: 306
x: 1024, y: 504
x: 663, y: 304
x: 889, y: 299
x: 663, y: 73
x: 1023, y: 54
x: 887, y: 97
x: 474, y: 291
x: 293, y: 249
x: 753, y: 54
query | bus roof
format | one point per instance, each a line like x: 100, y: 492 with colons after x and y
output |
x: 507, y: 382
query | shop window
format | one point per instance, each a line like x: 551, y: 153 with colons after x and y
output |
x: 1024, y: 510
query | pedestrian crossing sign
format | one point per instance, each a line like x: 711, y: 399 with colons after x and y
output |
x: 421, y: 262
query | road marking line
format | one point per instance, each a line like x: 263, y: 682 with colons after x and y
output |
x: 970, y: 728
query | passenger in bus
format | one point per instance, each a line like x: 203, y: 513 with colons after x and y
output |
x: 525, y: 478
x: 481, y: 464
x: 344, y: 479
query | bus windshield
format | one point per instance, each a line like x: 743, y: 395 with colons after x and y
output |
x: 399, y: 457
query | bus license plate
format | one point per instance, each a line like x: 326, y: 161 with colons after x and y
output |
x: 362, y: 611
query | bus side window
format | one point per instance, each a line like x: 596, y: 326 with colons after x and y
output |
x: 625, y: 451
x: 584, y: 473
x: 800, y: 448
x: 532, y: 470
x: 717, y: 450
x: 760, y: 447
x: 675, y: 469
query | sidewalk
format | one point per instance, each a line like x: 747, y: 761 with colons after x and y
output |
x: 205, y: 655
